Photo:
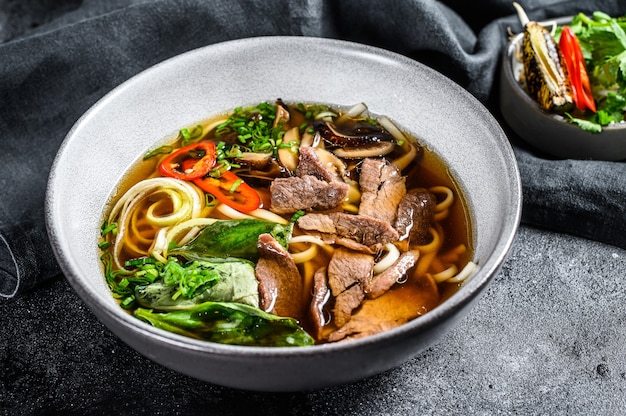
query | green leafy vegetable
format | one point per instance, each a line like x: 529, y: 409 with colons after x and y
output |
x: 191, y: 279
x: 236, y: 283
x: 229, y: 323
x: 233, y: 238
x: 586, y: 125
x: 123, y: 284
x: 602, y: 39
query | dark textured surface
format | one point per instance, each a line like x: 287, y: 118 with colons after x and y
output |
x: 547, y: 338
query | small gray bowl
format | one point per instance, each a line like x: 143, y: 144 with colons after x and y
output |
x: 123, y: 125
x: 551, y: 133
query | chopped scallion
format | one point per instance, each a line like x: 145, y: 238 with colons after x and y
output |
x: 163, y: 150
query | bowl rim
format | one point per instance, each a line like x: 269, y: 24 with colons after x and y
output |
x: 451, y: 307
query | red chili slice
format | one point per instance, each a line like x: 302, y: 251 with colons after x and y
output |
x: 575, y: 63
x: 231, y: 190
x: 189, y: 162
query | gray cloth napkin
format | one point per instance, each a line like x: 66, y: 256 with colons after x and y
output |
x: 51, y: 73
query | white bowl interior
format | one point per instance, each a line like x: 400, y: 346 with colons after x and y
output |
x: 176, y: 93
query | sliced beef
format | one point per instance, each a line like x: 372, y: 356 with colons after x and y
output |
x: 321, y: 295
x: 345, y: 303
x: 415, y: 216
x: 382, y: 282
x: 347, y: 268
x: 280, y: 284
x: 309, y: 163
x: 358, y: 232
x: 348, y: 271
x: 289, y: 195
x: 382, y: 188
x: 361, y: 328
x: 390, y: 310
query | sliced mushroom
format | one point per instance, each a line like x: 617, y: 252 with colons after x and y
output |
x: 332, y: 162
x: 310, y: 140
x: 288, y: 156
x: 359, y: 134
x: 271, y: 171
x: 367, y: 150
x: 282, y: 113
x: 254, y: 160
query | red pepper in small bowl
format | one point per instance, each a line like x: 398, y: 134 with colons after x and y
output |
x: 577, y: 69
x: 189, y: 162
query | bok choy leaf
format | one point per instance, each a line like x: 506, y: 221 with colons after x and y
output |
x: 236, y: 283
x: 233, y: 238
x: 230, y: 323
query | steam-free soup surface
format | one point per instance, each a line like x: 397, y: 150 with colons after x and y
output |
x: 286, y: 224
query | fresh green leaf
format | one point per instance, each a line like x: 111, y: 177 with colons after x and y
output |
x: 236, y: 283
x: 230, y: 323
x: 233, y: 238
x: 191, y: 279
x: 586, y: 125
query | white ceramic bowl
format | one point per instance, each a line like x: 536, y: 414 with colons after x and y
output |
x: 551, y: 133
x: 127, y: 122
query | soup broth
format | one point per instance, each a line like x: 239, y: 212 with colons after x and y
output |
x: 286, y: 224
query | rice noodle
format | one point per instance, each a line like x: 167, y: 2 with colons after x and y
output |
x: 264, y: 214
x: 231, y: 212
x: 467, y: 271
x: 194, y: 224
x: 352, y: 112
x: 434, y: 244
x: 305, y: 238
x: 452, y: 256
x: 446, y: 274
x: 449, y: 197
x: 186, y: 202
x: 392, y: 129
x: 388, y: 260
x: 140, y: 189
x: 311, y: 252
x: 159, y: 245
x: 306, y: 255
x: 180, y: 210
x: 403, y: 161
x: 258, y: 213
x: 441, y: 215
x: 423, y: 263
x: 307, y: 280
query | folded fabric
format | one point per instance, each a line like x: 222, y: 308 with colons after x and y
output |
x: 581, y: 197
x: 51, y: 75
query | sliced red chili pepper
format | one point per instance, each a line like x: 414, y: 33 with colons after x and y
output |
x: 189, y: 162
x: 577, y: 69
x: 231, y: 190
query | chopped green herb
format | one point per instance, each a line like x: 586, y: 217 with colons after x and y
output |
x: 107, y: 228
x: 235, y: 186
x: 187, y: 136
x: 163, y: 150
